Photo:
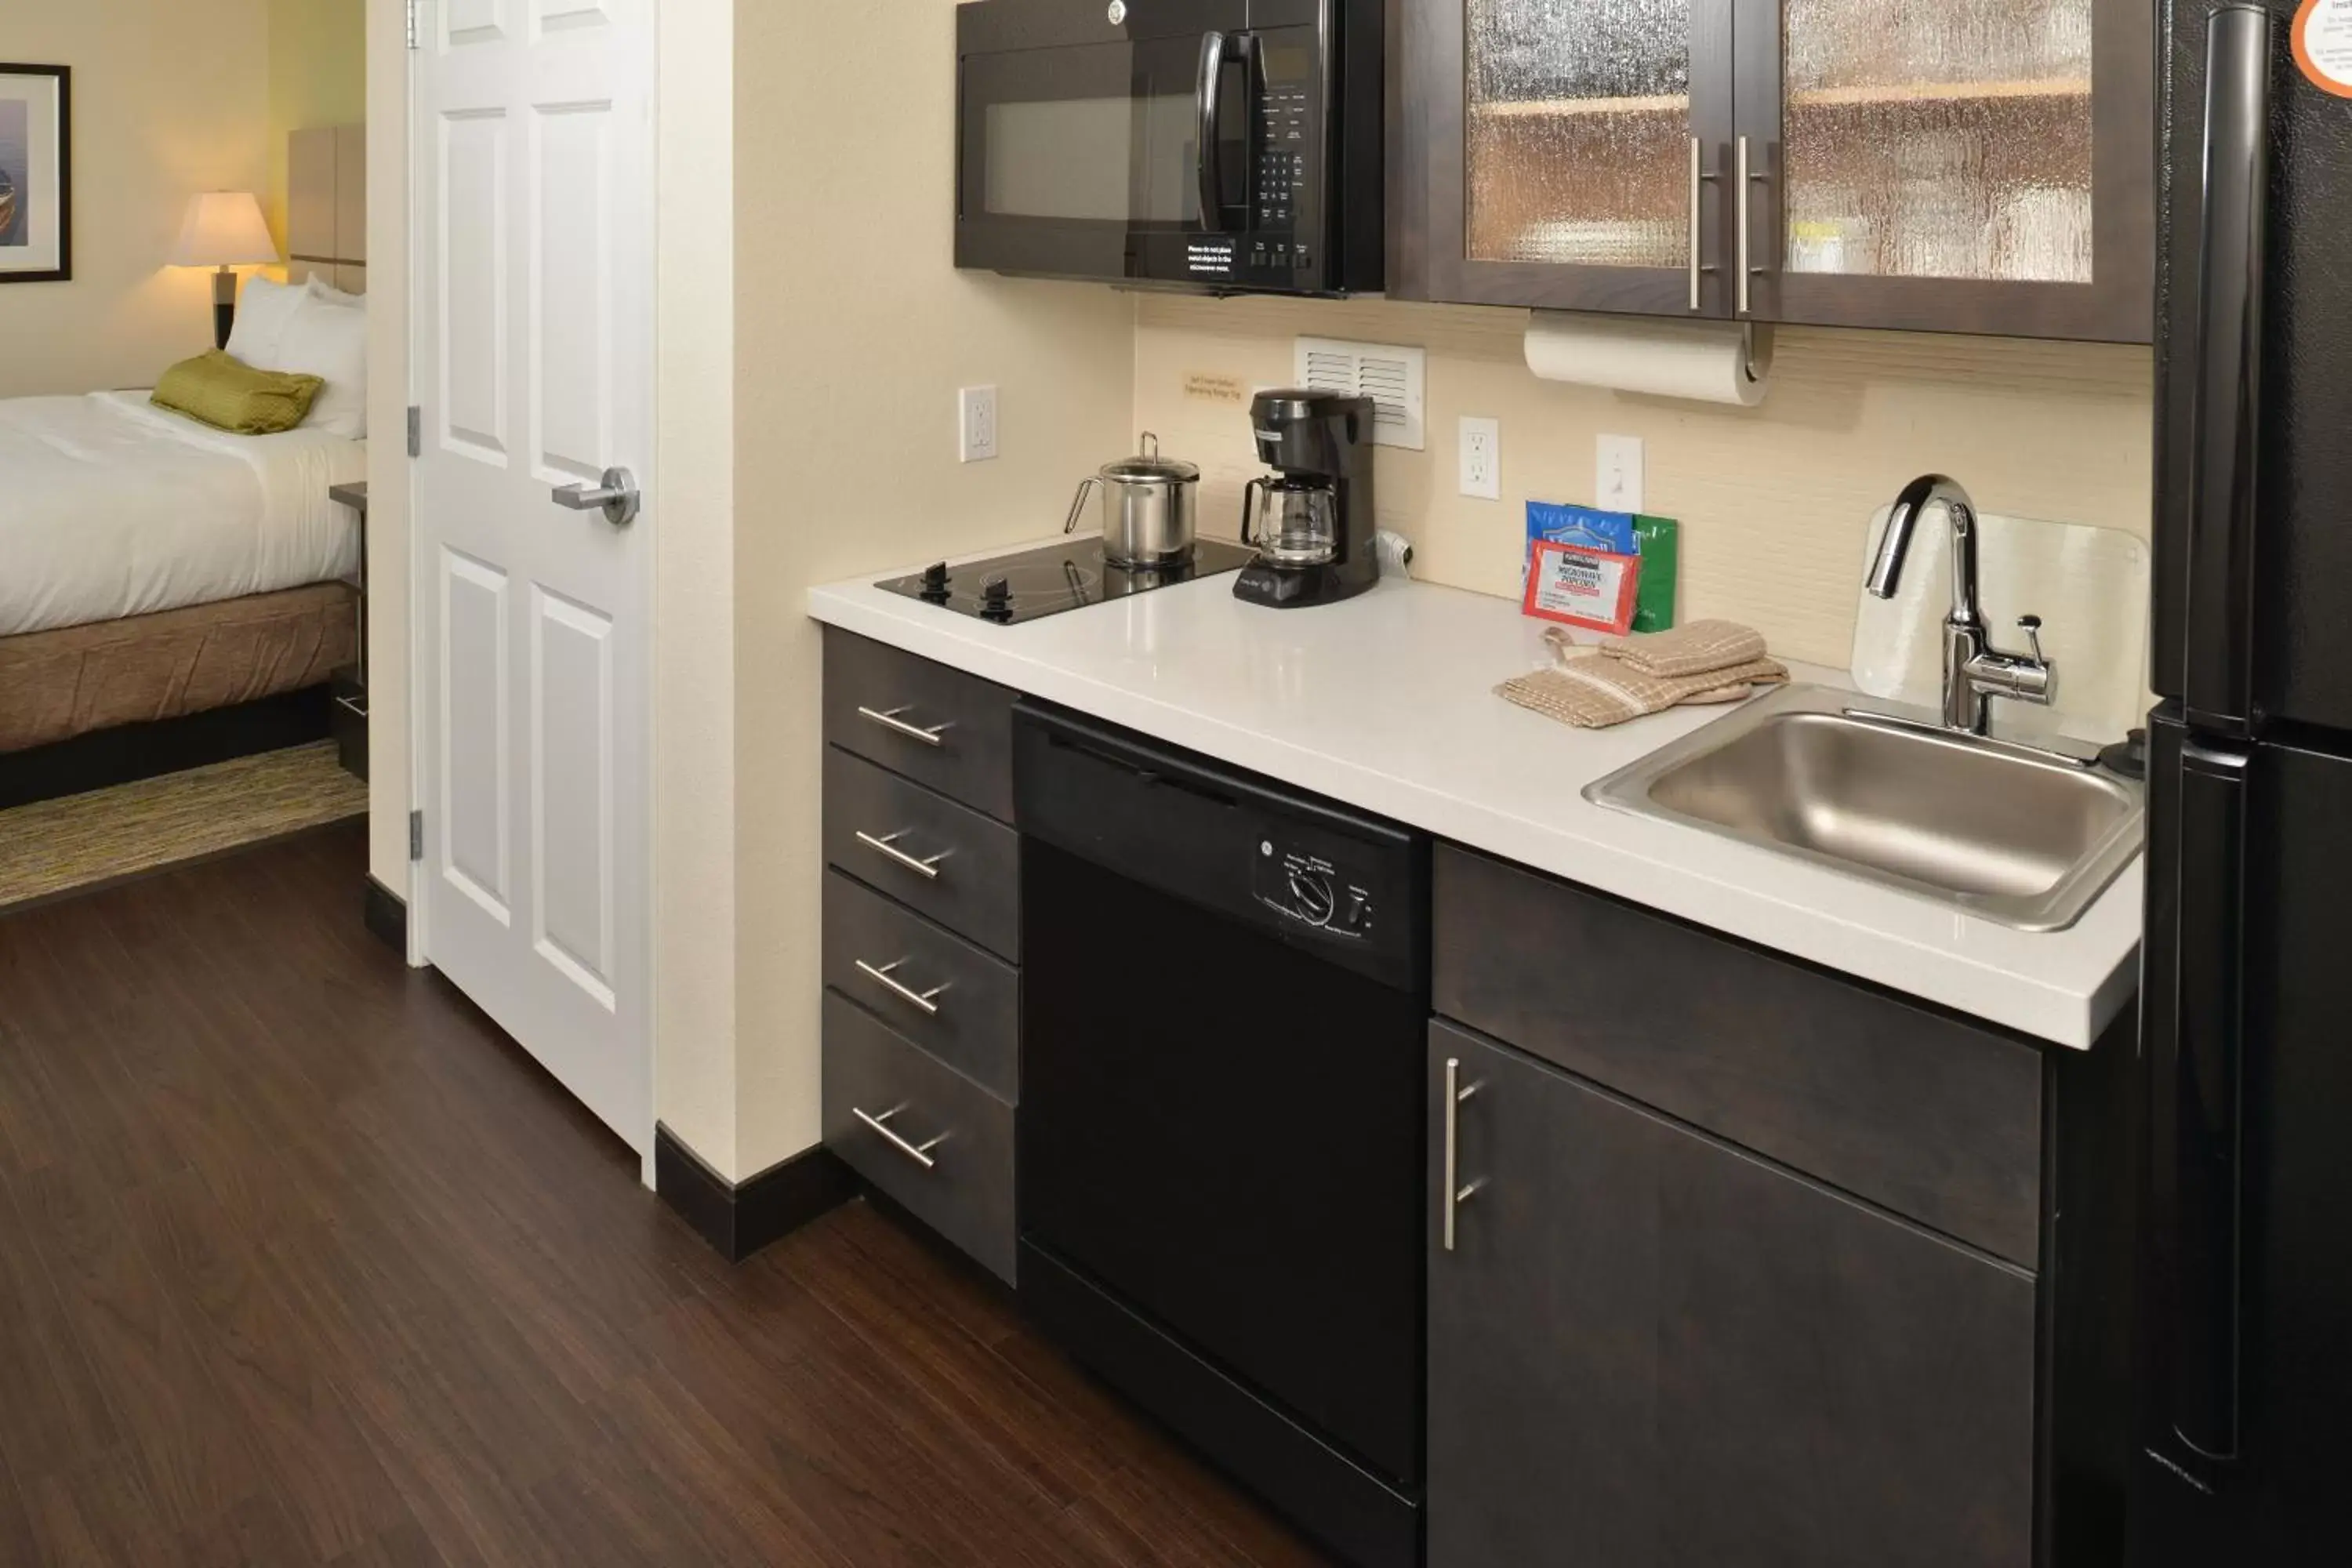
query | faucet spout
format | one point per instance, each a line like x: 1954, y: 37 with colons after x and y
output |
x: 1974, y: 671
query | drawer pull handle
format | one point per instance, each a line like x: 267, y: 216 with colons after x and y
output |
x: 885, y: 977
x: 888, y: 844
x: 918, y: 1152
x: 1456, y: 1193
x: 888, y: 719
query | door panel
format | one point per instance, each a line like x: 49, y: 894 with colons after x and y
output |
x: 1648, y: 1343
x: 532, y: 346
x: 473, y: 730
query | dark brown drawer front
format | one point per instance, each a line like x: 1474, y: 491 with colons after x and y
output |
x: 874, y: 696
x: 939, y: 991
x: 944, y: 1145
x: 969, y: 873
x: 1937, y: 1121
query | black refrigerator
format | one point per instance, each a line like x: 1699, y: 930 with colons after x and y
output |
x: 2245, y: 1435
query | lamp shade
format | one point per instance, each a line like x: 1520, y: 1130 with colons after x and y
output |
x: 224, y: 228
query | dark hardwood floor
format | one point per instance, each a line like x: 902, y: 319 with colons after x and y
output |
x: 302, y: 1261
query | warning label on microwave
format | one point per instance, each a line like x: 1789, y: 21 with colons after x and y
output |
x: 2323, y: 44
x: 1209, y: 258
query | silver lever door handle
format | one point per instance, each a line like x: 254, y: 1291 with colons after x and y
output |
x: 918, y: 1152
x: 1456, y: 1193
x: 886, y: 975
x: 616, y: 498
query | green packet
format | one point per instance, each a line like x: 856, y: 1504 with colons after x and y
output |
x: 1659, y: 547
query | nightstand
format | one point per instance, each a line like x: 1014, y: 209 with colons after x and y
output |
x: 349, y: 685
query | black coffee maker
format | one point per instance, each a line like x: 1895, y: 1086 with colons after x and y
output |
x: 1311, y: 519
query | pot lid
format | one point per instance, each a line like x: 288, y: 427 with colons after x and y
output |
x: 1151, y: 470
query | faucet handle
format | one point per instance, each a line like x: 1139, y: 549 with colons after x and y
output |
x: 2031, y: 626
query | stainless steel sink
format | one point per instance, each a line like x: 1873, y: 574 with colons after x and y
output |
x: 2015, y: 835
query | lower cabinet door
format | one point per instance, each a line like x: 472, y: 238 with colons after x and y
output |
x: 1647, y: 1348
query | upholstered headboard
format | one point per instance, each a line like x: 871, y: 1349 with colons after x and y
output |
x: 326, y: 207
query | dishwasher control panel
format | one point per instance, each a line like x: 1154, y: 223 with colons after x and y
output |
x: 1312, y: 888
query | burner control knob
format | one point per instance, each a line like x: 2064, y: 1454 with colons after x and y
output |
x: 996, y: 598
x: 935, y: 575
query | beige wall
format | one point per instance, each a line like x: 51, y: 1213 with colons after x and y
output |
x: 694, y: 783
x: 387, y: 541
x: 1775, y: 502
x: 170, y: 98
x: 854, y: 333
x: 318, y: 76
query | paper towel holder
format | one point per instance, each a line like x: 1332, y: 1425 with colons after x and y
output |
x: 1754, y: 369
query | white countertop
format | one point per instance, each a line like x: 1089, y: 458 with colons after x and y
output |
x: 1386, y: 702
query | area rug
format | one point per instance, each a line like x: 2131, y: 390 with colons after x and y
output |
x: 52, y: 847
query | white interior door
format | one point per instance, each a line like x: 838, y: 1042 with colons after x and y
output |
x: 533, y: 169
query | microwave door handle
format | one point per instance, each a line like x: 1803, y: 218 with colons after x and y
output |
x: 2200, y: 1133
x: 1208, y: 96
x: 2226, y: 379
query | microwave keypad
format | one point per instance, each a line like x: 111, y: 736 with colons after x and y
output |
x: 1282, y: 158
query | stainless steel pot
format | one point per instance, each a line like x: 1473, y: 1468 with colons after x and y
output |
x: 1146, y: 508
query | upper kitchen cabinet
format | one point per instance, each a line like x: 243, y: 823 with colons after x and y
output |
x: 1938, y: 165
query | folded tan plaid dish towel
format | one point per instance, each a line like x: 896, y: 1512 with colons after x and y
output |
x: 1707, y: 661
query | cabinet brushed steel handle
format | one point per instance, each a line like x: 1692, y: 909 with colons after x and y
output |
x: 888, y: 844
x: 918, y: 1152
x: 1699, y: 178
x: 888, y: 719
x: 1457, y: 1193
x: 1747, y: 272
x: 885, y: 977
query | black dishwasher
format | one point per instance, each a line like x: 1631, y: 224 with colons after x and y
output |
x: 1221, y: 1135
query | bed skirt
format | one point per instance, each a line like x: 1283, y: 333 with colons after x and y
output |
x: 54, y: 684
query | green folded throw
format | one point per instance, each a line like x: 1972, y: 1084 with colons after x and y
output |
x: 230, y: 395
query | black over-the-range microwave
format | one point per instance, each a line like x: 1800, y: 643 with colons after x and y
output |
x: 1225, y: 145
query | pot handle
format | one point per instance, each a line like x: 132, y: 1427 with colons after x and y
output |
x: 1248, y: 491
x: 1079, y: 504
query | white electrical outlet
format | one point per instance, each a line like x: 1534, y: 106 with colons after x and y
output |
x: 975, y: 423
x: 1617, y: 473
x: 1482, y: 458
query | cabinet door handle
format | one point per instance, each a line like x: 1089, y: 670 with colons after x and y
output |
x: 1699, y: 179
x: 883, y: 975
x: 887, y: 846
x: 1747, y: 272
x: 888, y: 719
x: 1457, y: 1193
x: 918, y: 1152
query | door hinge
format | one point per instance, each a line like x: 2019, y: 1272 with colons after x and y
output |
x: 415, y: 26
x: 416, y: 835
x: 415, y: 431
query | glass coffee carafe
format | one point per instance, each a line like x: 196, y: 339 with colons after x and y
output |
x: 1292, y: 521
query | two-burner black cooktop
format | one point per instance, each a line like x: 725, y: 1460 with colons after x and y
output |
x: 1053, y: 578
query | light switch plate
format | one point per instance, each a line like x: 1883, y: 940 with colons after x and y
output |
x: 1482, y: 458
x: 975, y: 423
x: 1617, y: 473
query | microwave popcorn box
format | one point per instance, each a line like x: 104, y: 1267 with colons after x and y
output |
x: 1655, y: 541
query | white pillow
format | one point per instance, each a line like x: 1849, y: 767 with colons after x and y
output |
x: 322, y: 289
x: 329, y: 341
x: 262, y: 313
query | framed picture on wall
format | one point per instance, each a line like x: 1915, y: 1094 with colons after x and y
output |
x: 35, y: 173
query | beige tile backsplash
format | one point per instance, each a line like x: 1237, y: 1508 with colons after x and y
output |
x: 1775, y: 502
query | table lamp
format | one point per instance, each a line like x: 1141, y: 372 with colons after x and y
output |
x: 223, y: 229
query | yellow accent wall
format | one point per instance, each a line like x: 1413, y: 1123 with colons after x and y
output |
x: 318, y: 76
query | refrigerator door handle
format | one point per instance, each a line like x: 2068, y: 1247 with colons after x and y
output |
x: 2226, y: 383
x: 2199, y: 1097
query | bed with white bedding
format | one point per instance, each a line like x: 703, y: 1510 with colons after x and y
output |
x: 152, y: 567
x: 111, y: 508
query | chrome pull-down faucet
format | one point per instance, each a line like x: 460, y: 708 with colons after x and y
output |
x: 1975, y: 672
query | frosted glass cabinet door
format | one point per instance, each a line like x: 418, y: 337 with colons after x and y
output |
x: 1968, y: 166
x: 1574, y: 150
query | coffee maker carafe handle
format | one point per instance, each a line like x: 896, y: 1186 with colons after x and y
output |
x: 1079, y: 504
x: 1248, y: 491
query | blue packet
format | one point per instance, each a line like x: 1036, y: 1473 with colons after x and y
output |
x: 1587, y: 528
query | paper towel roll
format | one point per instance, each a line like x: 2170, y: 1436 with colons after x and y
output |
x: 1708, y: 361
